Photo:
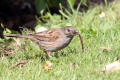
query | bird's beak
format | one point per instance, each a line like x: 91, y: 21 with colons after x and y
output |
x: 75, y: 33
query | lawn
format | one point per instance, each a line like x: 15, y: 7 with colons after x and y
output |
x: 96, y: 31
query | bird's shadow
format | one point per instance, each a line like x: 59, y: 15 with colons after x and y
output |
x: 56, y: 55
x: 66, y: 52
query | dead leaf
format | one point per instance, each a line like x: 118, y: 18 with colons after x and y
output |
x: 47, y: 65
x: 118, y: 15
x: 105, y: 48
x: 18, y: 42
x: 6, y: 52
x: 72, y: 64
x: 102, y: 14
x: 112, y: 67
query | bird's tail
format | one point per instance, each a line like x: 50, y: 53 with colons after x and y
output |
x: 18, y: 36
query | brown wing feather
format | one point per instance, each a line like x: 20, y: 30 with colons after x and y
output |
x: 49, y: 35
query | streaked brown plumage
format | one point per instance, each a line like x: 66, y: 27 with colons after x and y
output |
x: 53, y: 39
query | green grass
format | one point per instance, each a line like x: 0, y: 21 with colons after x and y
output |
x: 96, y: 32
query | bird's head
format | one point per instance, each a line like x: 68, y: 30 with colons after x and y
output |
x: 70, y: 31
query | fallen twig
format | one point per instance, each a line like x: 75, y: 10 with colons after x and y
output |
x: 20, y: 63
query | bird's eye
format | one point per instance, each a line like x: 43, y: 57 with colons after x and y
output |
x: 68, y: 30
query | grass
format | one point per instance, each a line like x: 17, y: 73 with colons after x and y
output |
x: 96, y: 32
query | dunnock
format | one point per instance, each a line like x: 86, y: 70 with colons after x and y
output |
x: 53, y: 39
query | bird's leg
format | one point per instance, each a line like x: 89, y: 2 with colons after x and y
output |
x: 48, y: 53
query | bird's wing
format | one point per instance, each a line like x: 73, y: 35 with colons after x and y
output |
x: 50, y: 35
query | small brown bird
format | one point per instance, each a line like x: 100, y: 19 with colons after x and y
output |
x: 53, y: 39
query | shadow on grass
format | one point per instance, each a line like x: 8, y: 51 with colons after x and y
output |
x: 63, y: 53
x: 43, y: 57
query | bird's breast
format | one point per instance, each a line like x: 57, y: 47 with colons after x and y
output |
x: 60, y: 44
